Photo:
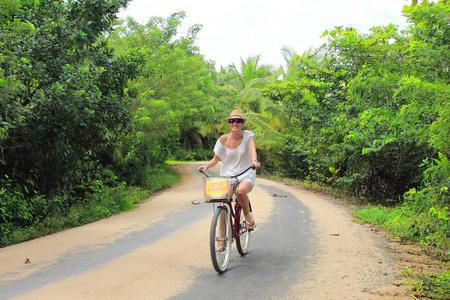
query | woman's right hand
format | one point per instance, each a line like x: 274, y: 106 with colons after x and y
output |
x: 211, y: 163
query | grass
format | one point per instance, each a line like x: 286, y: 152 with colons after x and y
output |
x: 160, y: 178
x: 178, y: 162
x: 437, y: 285
x: 402, y: 222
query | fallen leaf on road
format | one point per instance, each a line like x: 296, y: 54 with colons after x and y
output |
x: 334, y: 234
x: 27, y: 261
x: 195, y: 203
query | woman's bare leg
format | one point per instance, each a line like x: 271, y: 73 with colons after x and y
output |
x: 242, y: 196
x: 222, y: 234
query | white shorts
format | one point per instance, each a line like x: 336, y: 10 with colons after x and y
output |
x: 250, y: 176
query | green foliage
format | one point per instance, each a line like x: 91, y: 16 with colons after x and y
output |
x: 175, y: 94
x: 159, y: 178
x: 377, y: 215
x: 102, y: 204
x: 19, y: 210
x: 77, y: 119
x: 414, y: 221
x: 361, y: 116
x: 369, y: 113
x: 63, y: 109
x: 65, y: 104
x: 408, y: 221
x: 435, y: 286
x: 29, y: 218
x: 264, y: 118
x: 429, y: 43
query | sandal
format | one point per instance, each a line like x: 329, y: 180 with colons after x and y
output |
x: 249, y: 225
x: 220, y: 248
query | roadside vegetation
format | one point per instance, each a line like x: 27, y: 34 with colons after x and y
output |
x: 92, y: 107
x: 44, y: 216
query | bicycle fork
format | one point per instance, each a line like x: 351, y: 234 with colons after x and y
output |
x: 235, y: 232
x: 228, y: 226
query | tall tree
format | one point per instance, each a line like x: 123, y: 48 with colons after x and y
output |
x: 296, y: 63
x: 249, y: 82
x: 363, y: 117
x: 67, y: 105
x: 175, y: 95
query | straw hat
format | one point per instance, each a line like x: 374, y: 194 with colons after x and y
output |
x: 236, y: 114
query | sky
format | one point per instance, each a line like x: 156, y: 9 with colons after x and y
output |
x: 237, y: 29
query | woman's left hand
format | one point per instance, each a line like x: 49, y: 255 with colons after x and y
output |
x: 257, y: 164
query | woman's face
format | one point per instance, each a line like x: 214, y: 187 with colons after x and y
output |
x: 236, y: 124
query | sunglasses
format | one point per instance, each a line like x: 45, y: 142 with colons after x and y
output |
x: 239, y: 121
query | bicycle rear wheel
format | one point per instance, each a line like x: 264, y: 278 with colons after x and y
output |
x: 220, y: 240
x: 243, y: 238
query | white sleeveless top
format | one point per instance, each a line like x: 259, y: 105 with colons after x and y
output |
x: 235, y: 161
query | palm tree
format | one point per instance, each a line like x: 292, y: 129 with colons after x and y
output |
x: 249, y: 82
x: 299, y: 63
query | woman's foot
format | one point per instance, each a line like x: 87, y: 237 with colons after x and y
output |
x: 250, y: 222
x: 220, y: 246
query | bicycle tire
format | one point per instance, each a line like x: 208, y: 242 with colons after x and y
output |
x: 218, y: 238
x: 243, y: 238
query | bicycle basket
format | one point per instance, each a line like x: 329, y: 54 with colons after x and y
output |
x: 218, y: 189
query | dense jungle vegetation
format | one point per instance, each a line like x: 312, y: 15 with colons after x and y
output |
x: 91, y: 107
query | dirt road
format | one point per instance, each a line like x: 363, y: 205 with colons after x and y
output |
x: 305, y: 247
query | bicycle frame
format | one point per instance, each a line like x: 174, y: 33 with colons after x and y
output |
x: 234, y: 214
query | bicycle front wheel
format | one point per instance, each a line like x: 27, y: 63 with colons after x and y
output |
x: 220, y: 240
x: 243, y: 238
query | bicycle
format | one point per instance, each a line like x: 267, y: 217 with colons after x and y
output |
x: 227, y: 224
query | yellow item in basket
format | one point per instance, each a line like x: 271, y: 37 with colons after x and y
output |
x: 217, y: 188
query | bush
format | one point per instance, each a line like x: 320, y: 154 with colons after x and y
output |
x: 103, y: 204
x: 24, y: 218
x: 415, y: 220
x: 160, y: 177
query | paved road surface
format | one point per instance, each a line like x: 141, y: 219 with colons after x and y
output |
x: 304, y: 247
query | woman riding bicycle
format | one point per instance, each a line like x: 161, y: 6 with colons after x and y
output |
x: 237, y: 151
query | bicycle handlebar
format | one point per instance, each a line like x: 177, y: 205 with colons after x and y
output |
x: 251, y: 167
